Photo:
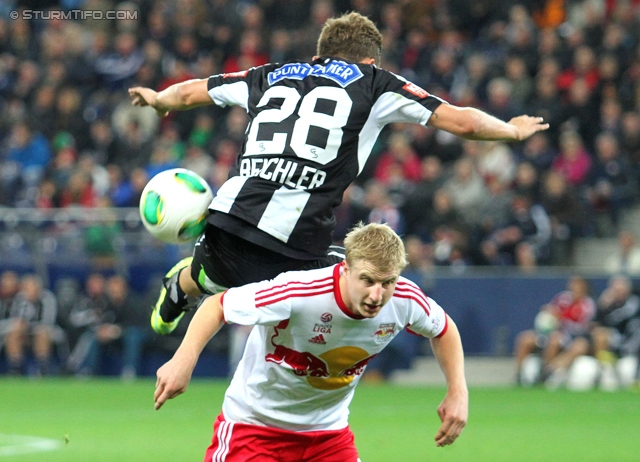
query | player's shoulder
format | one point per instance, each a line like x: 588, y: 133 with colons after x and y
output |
x: 409, y: 292
x: 308, y: 277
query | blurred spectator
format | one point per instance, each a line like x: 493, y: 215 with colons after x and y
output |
x: 537, y: 151
x: 68, y: 117
x: 610, y: 116
x: 96, y: 172
x: 573, y: 161
x: 102, y: 236
x: 527, y: 181
x: 109, y: 315
x: 500, y: 102
x: 381, y: 207
x: 120, y: 191
x: 117, y: 68
x: 78, y: 192
x: 249, y: 54
x: 198, y: 161
x: 580, y: 113
x: 399, y: 164
x: 449, y: 232
x: 281, y: 49
x: 102, y: 144
x: 518, y: 74
x: 350, y: 212
x: 9, y: 287
x: 626, y: 259
x: 30, y: 150
x: 493, y: 160
x: 560, y: 332
x: 204, y: 129
x: 528, y: 226
x: 33, y: 325
x: 473, y: 78
x: 613, y: 184
x: 466, y: 187
x: 566, y: 214
x: 416, y: 207
x: 85, y: 314
x: 546, y: 103
x: 584, y: 66
x: 495, y: 209
x: 616, y: 332
x: 133, y: 148
x: 630, y: 137
x: 415, y: 60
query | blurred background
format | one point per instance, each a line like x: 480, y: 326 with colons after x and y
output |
x: 494, y: 231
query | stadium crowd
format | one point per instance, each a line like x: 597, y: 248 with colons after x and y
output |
x: 69, y: 136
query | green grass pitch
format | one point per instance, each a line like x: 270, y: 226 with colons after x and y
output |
x: 107, y: 420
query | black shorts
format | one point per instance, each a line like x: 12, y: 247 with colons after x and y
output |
x: 222, y: 260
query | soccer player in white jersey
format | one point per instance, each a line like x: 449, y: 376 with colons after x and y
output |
x: 312, y: 126
x: 315, y: 331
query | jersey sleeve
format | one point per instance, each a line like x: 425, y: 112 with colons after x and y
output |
x: 399, y: 100
x: 425, y: 317
x: 251, y: 305
x: 230, y: 89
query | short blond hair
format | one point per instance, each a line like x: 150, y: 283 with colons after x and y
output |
x: 376, y: 243
x: 352, y: 37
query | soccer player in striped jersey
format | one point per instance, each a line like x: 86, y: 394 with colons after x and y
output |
x: 312, y: 127
x: 314, y: 333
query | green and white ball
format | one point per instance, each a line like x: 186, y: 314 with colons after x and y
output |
x: 174, y: 205
x: 545, y: 322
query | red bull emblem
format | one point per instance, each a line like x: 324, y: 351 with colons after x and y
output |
x: 333, y: 369
x: 301, y: 362
x: 384, y: 333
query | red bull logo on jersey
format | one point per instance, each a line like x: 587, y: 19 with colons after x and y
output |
x: 384, y: 333
x: 331, y: 370
x: 301, y: 363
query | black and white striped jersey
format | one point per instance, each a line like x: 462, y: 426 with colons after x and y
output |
x: 311, y: 129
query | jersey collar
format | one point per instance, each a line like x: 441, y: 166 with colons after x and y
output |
x: 337, y: 272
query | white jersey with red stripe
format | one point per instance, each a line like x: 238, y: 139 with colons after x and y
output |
x: 307, y: 351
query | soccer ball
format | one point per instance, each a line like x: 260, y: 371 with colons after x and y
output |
x: 174, y: 205
x: 545, y: 322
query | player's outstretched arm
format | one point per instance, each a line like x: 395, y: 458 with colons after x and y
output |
x: 175, y: 375
x: 454, y: 409
x: 177, y: 97
x: 474, y: 124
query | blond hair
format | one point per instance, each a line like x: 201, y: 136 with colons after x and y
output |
x: 376, y: 243
x: 352, y: 37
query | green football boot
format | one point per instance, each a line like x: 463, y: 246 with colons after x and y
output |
x: 172, y: 311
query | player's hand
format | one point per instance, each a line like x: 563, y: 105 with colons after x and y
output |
x: 142, y: 96
x: 173, y: 379
x: 453, y: 412
x: 528, y: 125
